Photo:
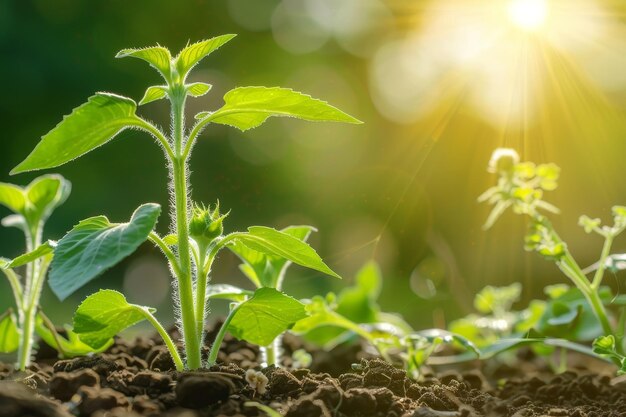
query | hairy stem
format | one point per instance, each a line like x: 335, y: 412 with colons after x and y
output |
x: 181, y: 208
x: 35, y: 276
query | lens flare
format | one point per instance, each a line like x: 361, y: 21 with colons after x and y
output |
x: 528, y: 14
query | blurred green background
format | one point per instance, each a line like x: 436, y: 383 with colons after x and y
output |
x: 439, y: 85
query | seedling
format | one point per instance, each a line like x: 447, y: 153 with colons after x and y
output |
x: 263, y: 271
x: 520, y: 187
x: 335, y: 319
x: 31, y: 207
x: 96, y: 244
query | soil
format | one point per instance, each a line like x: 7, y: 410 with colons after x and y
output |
x: 138, y: 378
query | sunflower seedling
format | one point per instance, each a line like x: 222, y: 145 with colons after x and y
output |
x: 96, y: 244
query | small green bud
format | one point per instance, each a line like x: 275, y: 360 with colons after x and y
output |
x: 588, y: 223
x: 503, y: 160
x: 206, y: 224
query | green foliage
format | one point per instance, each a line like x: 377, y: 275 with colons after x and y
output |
x: 606, y: 346
x: 192, y: 54
x: 96, y: 244
x: 265, y: 316
x: 9, y: 333
x: 70, y: 346
x: 89, y: 126
x: 103, y: 315
x: 249, y: 107
x: 157, y: 56
x: 580, y: 313
x: 154, y: 93
x: 278, y: 244
x: 263, y: 269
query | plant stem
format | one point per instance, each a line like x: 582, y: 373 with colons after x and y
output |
x: 571, y: 269
x: 28, y: 312
x: 271, y: 354
x: 606, y: 251
x: 50, y: 326
x: 215, y: 348
x: 204, y: 269
x: 181, y: 208
x: 166, y: 337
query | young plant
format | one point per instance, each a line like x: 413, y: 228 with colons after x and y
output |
x: 520, y: 187
x: 336, y: 319
x: 31, y: 207
x: 263, y: 271
x: 95, y: 244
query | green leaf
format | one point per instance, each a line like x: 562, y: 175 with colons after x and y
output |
x: 70, y: 346
x: 358, y: 303
x: 45, y: 249
x: 95, y: 245
x: 9, y: 335
x: 194, y: 53
x: 45, y: 194
x: 497, y: 299
x: 274, y: 243
x: 248, y: 107
x: 198, y: 89
x: 228, y: 292
x: 157, y: 56
x: 103, y: 315
x: 171, y: 240
x: 265, y: 316
x: 267, y: 270
x: 448, y: 337
x: 12, y: 197
x: 89, y: 126
x: 154, y: 93
x: 604, y: 345
x: 321, y: 314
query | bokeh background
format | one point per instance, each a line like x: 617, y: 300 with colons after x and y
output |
x: 438, y: 83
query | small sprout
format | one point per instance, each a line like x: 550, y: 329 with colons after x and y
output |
x: 619, y: 216
x: 604, y: 345
x: 556, y: 290
x: 301, y: 358
x: 257, y: 381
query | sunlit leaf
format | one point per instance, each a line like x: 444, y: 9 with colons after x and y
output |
x: 266, y: 315
x: 95, y: 245
x: 194, y: 53
x: 9, y: 335
x: 103, y: 315
x: 12, y: 197
x: 45, y: 249
x: 266, y: 270
x: 228, y: 292
x: 248, y: 107
x: 157, y: 56
x: 198, y: 89
x: 89, y: 126
x: 272, y: 242
x: 154, y: 93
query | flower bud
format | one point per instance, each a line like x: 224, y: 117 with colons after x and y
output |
x: 206, y: 224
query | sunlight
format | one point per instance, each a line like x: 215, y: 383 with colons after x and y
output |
x: 528, y: 14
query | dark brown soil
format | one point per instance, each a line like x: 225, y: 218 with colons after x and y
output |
x: 138, y: 379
